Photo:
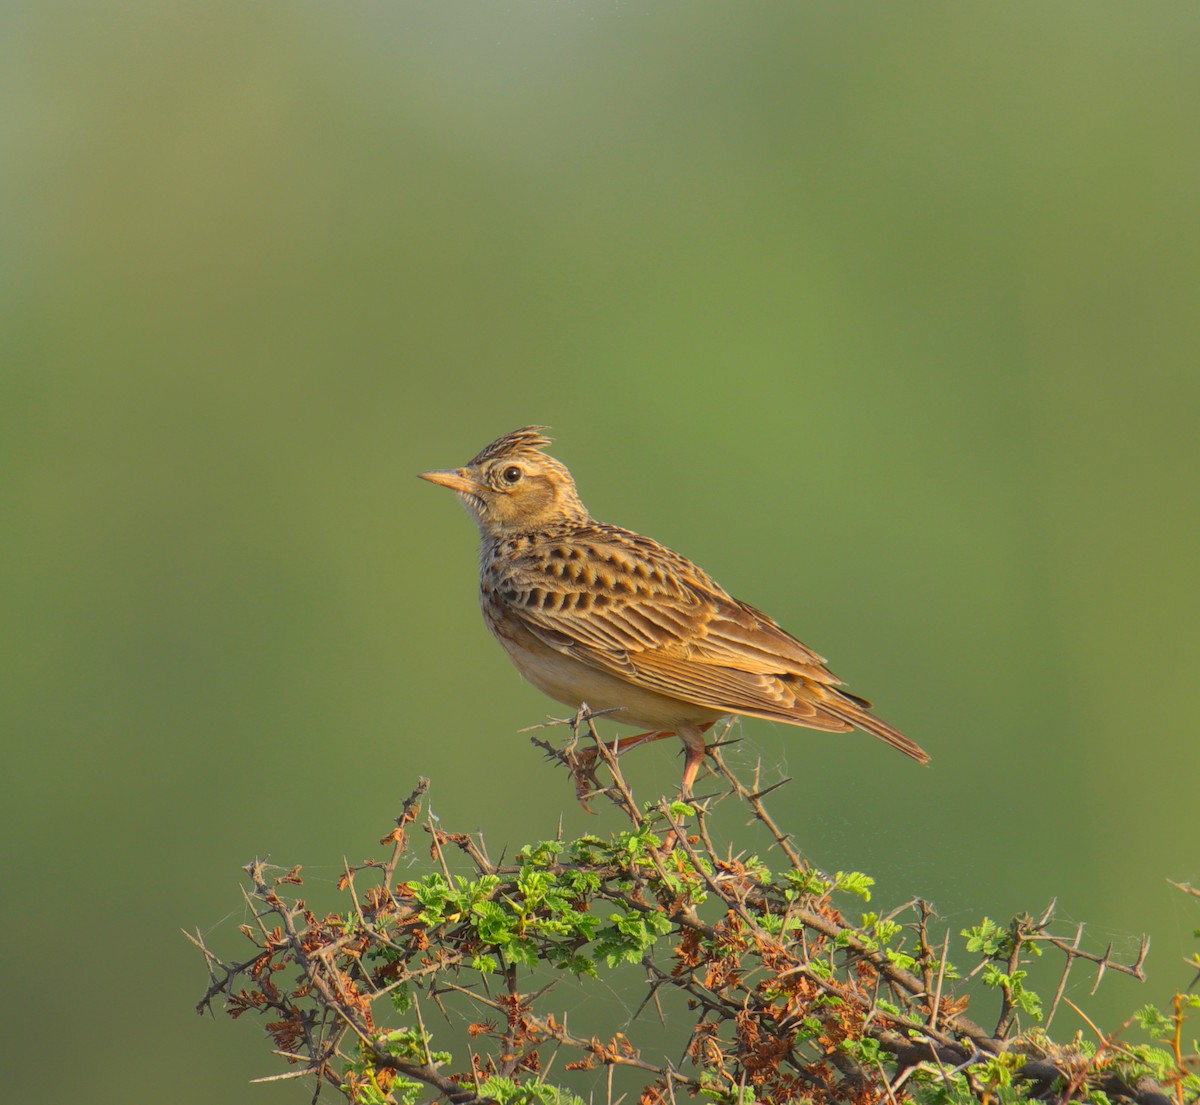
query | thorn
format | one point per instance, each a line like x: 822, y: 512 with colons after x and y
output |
x: 767, y: 790
x: 549, y: 723
x: 1101, y: 967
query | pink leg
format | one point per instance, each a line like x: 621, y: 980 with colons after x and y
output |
x: 584, y: 763
x: 624, y: 744
x: 693, y: 742
x: 691, y: 765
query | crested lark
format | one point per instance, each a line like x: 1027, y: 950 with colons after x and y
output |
x: 594, y: 613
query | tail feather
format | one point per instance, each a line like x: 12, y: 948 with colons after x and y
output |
x: 850, y: 708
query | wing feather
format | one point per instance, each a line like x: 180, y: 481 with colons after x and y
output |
x: 622, y: 604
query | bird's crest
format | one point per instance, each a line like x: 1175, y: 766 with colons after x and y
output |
x: 525, y: 439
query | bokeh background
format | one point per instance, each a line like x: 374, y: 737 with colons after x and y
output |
x: 885, y: 314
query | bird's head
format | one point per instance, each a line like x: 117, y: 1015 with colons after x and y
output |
x: 511, y: 486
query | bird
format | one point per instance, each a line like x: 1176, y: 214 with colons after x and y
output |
x: 593, y: 613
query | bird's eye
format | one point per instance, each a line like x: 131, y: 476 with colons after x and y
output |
x: 512, y: 474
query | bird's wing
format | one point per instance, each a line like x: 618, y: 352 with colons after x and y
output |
x: 621, y: 603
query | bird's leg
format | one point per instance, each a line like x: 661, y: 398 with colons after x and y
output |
x: 693, y: 743
x: 583, y: 764
x: 691, y: 765
x: 624, y: 744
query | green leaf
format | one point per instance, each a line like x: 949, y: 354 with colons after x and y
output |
x: 521, y: 951
x: 493, y: 924
x: 485, y: 964
x: 1014, y: 986
x: 506, y: 1092
x: 804, y: 882
x: 988, y: 938
x: 854, y: 882
x: 543, y: 853
x: 1154, y: 1022
x: 865, y: 1049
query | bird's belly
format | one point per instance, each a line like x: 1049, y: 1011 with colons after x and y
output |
x: 573, y: 683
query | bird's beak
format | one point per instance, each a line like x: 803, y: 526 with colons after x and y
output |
x: 453, y: 478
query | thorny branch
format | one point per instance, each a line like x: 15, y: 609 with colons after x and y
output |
x: 786, y: 998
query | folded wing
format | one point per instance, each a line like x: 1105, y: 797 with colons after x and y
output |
x: 622, y: 604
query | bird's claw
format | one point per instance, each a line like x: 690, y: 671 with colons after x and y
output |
x: 582, y: 765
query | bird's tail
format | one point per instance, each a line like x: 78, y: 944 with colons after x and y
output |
x: 857, y: 712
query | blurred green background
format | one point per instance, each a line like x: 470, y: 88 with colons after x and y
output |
x: 884, y: 314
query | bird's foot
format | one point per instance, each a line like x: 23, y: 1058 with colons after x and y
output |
x: 582, y: 764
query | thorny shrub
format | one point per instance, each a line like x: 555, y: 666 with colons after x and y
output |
x: 793, y: 990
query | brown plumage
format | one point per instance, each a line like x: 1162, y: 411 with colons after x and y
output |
x: 598, y: 614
